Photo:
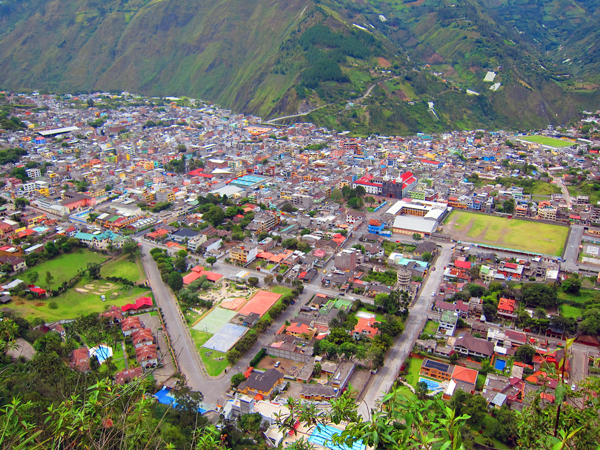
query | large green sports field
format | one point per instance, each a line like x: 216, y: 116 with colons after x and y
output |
x: 546, y: 141
x: 514, y: 234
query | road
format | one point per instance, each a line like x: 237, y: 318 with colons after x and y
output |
x: 565, y: 192
x: 572, y: 247
x: 296, y: 115
x: 403, y: 344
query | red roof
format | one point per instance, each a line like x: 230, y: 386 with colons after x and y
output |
x: 511, y: 265
x: 139, y: 303
x: 37, y: 290
x: 462, y: 264
x: 465, y: 374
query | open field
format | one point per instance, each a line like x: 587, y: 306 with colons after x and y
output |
x: 514, y: 234
x: 64, y: 267
x: 431, y: 327
x: 571, y: 311
x: 72, y: 304
x: 546, y: 141
x: 127, y: 268
x: 211, y: 361
x: 584, y: 295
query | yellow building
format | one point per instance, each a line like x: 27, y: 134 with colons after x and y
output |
x: 242, y: 254
x: 262, y: 384
x: 44, y: 191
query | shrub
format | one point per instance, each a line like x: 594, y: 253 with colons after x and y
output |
x: 258, y: 358
x: 52, y: 305
x: 29, y: 297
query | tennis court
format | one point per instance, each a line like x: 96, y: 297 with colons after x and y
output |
x: 225, y: 338
x: 215, y: 320
x: 260, y: 303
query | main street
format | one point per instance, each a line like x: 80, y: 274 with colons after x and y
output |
x: 397, y: 355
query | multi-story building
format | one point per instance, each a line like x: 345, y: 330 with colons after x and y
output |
x: 33, y: 173
x: 242, y: 254
x: 346, y: 260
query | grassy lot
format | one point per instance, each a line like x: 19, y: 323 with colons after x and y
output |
x: 64, y: 267
x: 507, y: 233
x: 119, y: 357
x: 414, y: 368
x: 378, y: 317
x: 540, y: 188
x: 125, y: 268
x: 584, y: 294
x: 72, y: 304
x: 281, y: 290
x: 213, y: 366
x: 480, y: 381
x: 571, y: 311
x: 557, y: 143
x: 431, y: 327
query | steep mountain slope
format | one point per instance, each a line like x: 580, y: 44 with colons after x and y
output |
x: 388, y: 66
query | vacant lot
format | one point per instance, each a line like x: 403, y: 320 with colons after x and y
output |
x: 128, y: 268
x: 546, y: 141
x: 64, y: 267
x: 514, y: 234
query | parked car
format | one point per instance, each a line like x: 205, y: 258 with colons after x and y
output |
x: 278, y: 363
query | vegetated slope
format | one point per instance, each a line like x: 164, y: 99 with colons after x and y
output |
x: 276, y: 58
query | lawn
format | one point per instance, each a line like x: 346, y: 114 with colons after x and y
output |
x: 551, y: 142
x: 280, y: 290
x: 584, y: 295
x: 124, y: 268
x: 431, y: 327
x: 571, y: 311
x: 64, y: 267
x: 72, y: 304
x: 378, y: 317
x: 414, y: 368
x: 535, y: 237
x: 213, y: 366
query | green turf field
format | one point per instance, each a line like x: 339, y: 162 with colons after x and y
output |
x: 64, y: 267
x: 213, y: 362
x: 558, y: 143
x: 506, y: 233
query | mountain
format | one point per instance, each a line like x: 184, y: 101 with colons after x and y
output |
x: 387, y: 66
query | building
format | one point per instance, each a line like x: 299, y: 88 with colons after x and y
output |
x: 436, y: 369
x: 448, y: 321
x: 75, y: 200
x: 33, y: 173
x: 364, y: 327
x: 242, y: 254
x: 80, y: 359
x: 346, y: 260
x: 318, y: 393
x: 506, y: 307
x: 262, y: 384
x: 469, y: 345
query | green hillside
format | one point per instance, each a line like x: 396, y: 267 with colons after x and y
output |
x: 415, y: 60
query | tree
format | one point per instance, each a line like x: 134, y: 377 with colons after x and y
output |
x: 538, y: 295
x: 291, y: 242
x: 317, y: 369
x: 356, y: 203
x: 180, y: 264
x: 6, y: 268
x: 175, y: 281
x: 287, y: 207
x: 360, y: 191
x: 94, y: 270
x: 237, y: 379
x: 540, y: 313
x: 505, y: 427
x: 51, y: 250
x: 426, y: 256
x: 525, y: 354
x: 269, y: 280
x: 591, y: 324
x: 490, y: 312
x: 279, y: 278
x: 336, y: 195
x: 20, y: 203
x: 475, y: 290
x: 304, y: 232
x: 571, y: 285
x: 182, y: 253
x: 130, y: 248
x: 211, y: 260
x: 33, y: 277
x: 422, y: 390
x: 49, y: 279
x: 508, y: 206
x: 417, y: 236
x: 253, y: 281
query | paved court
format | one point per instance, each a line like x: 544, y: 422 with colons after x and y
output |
x: 215, y: 320
x: 225, y: 338
x: 260, y: 303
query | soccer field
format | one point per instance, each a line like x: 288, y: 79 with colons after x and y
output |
x: 546, y: 141
x: 514, y: 234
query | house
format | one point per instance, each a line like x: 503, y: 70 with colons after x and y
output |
x: 302, y: 330
x: 318, y: 392
x: 243, y: 254
x: 262, y: 384
x: 426, y: 345
x: 250, y: 320
x: 469, y: 345
x: 17, y: 264
x: 425, y: 247
x: 436, y: 369
x: 80, y: 359
x: 364, y: 327
x: 113, y: 314
x: 142, y: 337
x: 130, y: 325
x: 447, y: 325
x: 355, y: 216
x: 147, y: 356
x: 126, y: 376
x: 467, y: 377
x: 185, y: 234
x: 506, y: 307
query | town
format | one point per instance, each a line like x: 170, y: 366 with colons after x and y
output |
x: 257, y: 263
